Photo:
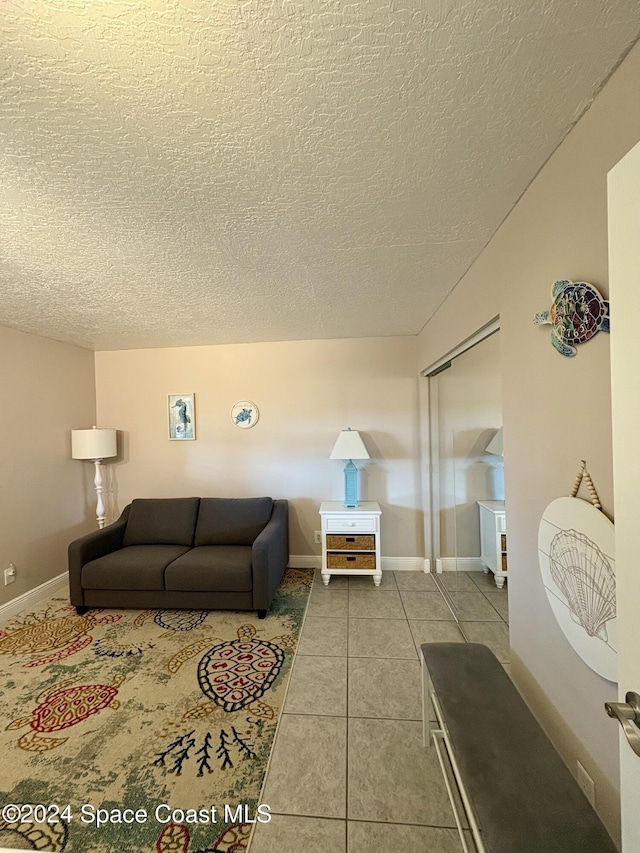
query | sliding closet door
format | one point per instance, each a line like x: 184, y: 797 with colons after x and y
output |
x: 466, y: 412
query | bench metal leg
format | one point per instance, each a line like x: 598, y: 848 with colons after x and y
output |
x: 426, y: 716
x: 433, y: 734
x: 450, y: 783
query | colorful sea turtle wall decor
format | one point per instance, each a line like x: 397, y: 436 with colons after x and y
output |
x: 577, y: 312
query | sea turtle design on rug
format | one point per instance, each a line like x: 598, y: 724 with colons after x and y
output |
x: 60, y: 636
x: 173, y: 620
x: 175, y: 838
x: 237, y: 673
x: 61, y: 706
x: 297, y: 577
x: 20, y: 835
x: 577, y: 313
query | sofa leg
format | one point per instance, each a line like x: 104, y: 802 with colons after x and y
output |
x: 262, y: 614
x: 81, y: 610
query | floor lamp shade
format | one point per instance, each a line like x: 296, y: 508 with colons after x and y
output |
x: 93, y: 443
x: 349, y: 445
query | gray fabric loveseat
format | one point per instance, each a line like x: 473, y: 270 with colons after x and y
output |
x: 202, y: 553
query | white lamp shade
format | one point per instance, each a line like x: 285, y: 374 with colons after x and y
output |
x: 349, y: 445
x: 495, y: 445
x: 93, y: 443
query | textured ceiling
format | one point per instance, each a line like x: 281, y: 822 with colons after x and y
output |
x: 178, y: 172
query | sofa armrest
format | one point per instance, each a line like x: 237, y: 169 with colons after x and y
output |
x: 270, y: 555
x: 90, y: 547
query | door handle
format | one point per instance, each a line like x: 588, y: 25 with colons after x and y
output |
x: 628, y: 715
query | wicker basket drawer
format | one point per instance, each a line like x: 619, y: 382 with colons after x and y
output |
x: 350, y: 543
x: 351, y: 561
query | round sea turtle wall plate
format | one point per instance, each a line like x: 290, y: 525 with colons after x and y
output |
x: 577, y: 312
x: 577, y: 562
x: 245, y: 414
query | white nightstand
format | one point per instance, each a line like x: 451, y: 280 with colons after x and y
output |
x: 351, y: 540
x: 493, y: 539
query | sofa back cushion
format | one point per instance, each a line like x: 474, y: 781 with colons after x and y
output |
x: 162, y: 521
x: 232, y: 521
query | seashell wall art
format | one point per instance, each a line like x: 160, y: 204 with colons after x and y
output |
x: 576, y: 554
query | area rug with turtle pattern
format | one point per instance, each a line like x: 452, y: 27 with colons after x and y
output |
x: 130, y: 730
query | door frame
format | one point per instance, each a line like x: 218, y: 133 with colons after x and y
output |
x: 624, y: 257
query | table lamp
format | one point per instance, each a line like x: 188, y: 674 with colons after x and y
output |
x: 349, y: 445
x: 495, y: 445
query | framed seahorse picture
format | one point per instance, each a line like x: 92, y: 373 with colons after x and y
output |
x: 182, y: 417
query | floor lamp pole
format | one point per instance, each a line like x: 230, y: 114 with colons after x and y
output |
x: 98, y: 483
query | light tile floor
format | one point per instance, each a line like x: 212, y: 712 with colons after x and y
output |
x: 348, y: 772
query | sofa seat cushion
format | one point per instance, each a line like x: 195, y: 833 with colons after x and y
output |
x: 232, y: 521
x: 133, y: 567
x: 212, y: 568
x: 162, y: 521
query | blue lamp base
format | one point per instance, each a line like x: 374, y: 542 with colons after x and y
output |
x: 350, y: 484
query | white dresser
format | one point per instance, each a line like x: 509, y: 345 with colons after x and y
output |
x: 493, y: 539
x: 351, y: 540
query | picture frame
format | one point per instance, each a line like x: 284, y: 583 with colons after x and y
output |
x: 181, y: 411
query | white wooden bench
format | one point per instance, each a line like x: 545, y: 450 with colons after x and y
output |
x: 516, y: 793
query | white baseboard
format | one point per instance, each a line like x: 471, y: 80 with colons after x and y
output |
x: 405, y: 564
x: 304, y: 561
x: 33, y: 597
x: 396, y: 564
x: 460, y: 564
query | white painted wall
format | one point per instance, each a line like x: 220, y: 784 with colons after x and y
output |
x: 46, y: 499
x: 306, y: 391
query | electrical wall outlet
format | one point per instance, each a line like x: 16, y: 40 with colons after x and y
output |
x: 9, y: 574
x: 587, y: 784
x: 317, y: 537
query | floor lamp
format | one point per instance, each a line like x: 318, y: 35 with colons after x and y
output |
x: 95, y: 444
